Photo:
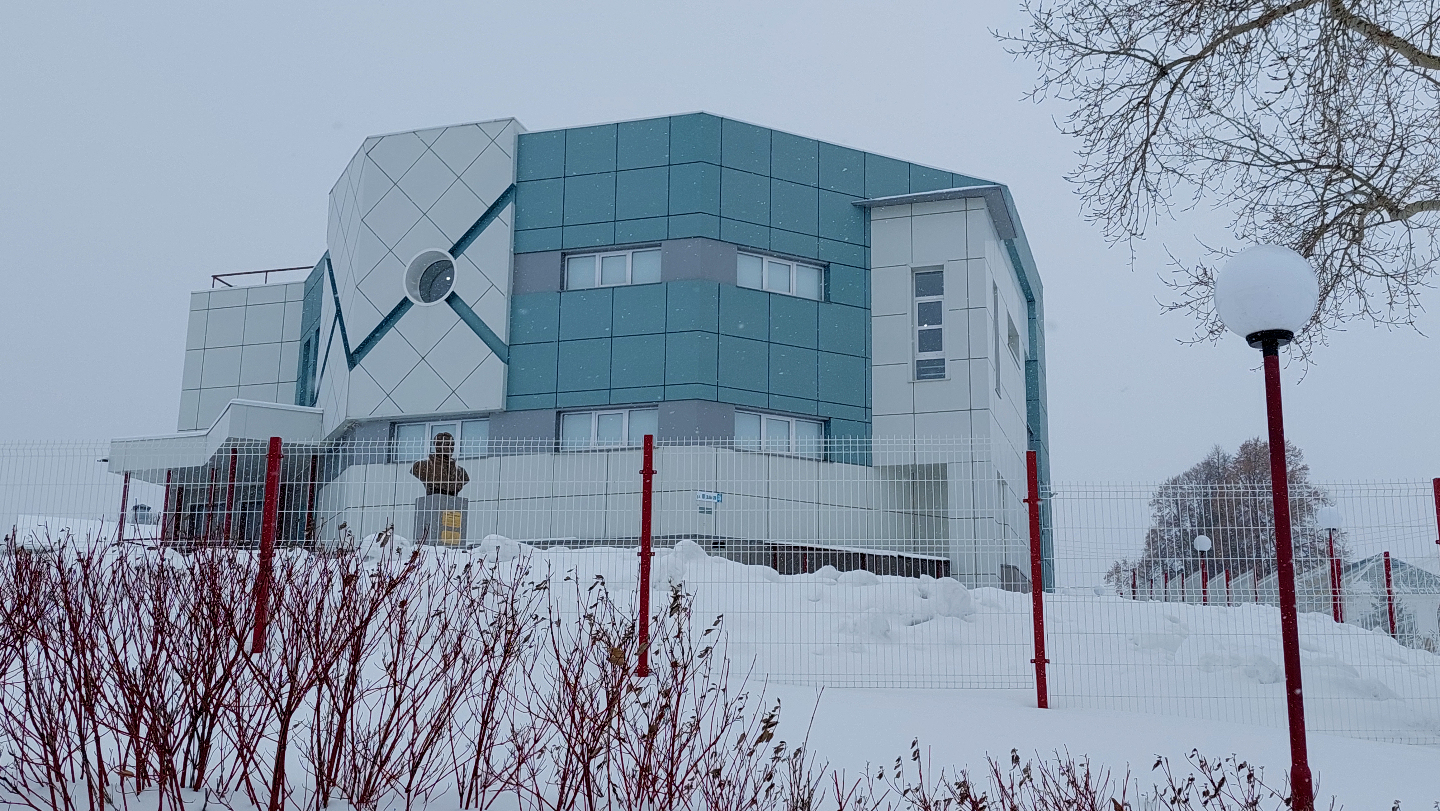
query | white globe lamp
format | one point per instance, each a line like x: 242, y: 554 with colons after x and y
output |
x: 1266, y: 292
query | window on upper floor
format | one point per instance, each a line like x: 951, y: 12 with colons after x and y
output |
x: 580, y: 430
x: 612, y: 269
x: 415, y: 440
x: 780, y: 276
x: 995, y: 331
x: 775, y: 434
x: 1013, y: 341
x: 929, y: 324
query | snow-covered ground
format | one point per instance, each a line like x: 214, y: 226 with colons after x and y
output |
x: 856, y: 727
x: 1129, y: 680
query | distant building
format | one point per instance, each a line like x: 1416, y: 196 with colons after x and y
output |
x: 692, y: 277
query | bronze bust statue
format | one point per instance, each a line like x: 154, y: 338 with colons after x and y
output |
x: 438, y: 472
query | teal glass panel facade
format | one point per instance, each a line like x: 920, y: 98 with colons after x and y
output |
x: 699, y: 175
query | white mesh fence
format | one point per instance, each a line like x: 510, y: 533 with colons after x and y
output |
x: 888, y: 563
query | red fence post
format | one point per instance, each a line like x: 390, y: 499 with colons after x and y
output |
x: 310, y: 500
x: 1134, y: 578
x: 165, y: 509
x: 124, y: 507
x: 1037, y: 582
x: 267, y: 545
x: 1227, y: 585
x: 1436, y: 485
x: 230, y: 495
x: 647, y: 492
x: 1204, y: 583
x: 210, y: 505
x: 1389, y: 594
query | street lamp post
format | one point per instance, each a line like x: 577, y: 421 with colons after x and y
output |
x: 1266, y: 294
x: 1328, y: 519
x: 1203, y: 545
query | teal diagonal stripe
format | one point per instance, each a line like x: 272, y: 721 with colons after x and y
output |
x: 478, y: 325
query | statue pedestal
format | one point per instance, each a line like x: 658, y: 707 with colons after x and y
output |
x: 441, y: 519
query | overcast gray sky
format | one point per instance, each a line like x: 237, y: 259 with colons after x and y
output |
x: 145, y: 146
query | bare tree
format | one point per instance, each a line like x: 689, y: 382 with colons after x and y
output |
x: 1313, y: 121
x: 1227, y: 498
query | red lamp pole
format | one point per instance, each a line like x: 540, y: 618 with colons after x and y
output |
x: 124, y: 506
x: 1337, y: 607
x: 647, y: 491
x: 1037, y: 581
x: 1300, y: 780
x: 1389, y: 594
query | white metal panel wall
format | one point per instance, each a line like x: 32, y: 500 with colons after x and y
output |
x: 242, y: 343
x: 403, y: 194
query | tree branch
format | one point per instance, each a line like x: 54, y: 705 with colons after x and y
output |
x: 1382, y: 37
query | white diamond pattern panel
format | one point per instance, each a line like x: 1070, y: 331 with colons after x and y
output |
x: 393, y: 217
x: 374, y: 184
x: 399, y: 195
x: 490, y: 252
x: 457, y: 354
x: 387, y: 408
x: 484, y: 389
x: 423, y: 327
x: 423, y: 236
x: 458, y: 146
x: 395, y: 154
x: 470, y: 283
x: 504, y: 132
x: 365, y: 393
x: 360, y: 318
x: 390, y: 360
x: 369, y: 250
x: 422, y: 391
x: 490, y: 174
x: 454, y: 212
x: 427, y: 180
x: 494, y: 309
x: 429, y: 136
x: 383, y: 286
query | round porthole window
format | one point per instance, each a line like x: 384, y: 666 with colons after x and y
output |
x: 430, y: 277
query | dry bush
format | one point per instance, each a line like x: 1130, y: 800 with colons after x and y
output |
x: 426, y: 677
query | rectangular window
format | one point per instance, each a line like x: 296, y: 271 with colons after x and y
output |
x: 612, y: 269
x: 929, y: 324
x: 995, y: 330
x: 775, y: 434
x: 305, y: 382
x: 582, y: 430
x: 780, y: 276
x: 416, y: 440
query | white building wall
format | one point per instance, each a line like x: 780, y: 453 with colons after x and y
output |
x: 983, y: 394
x: 592, y: 496
x: 242, y: 343
x: 403, y: 194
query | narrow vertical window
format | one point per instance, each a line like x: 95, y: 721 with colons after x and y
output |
x: 995, y: 330
x: 929, y: 325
